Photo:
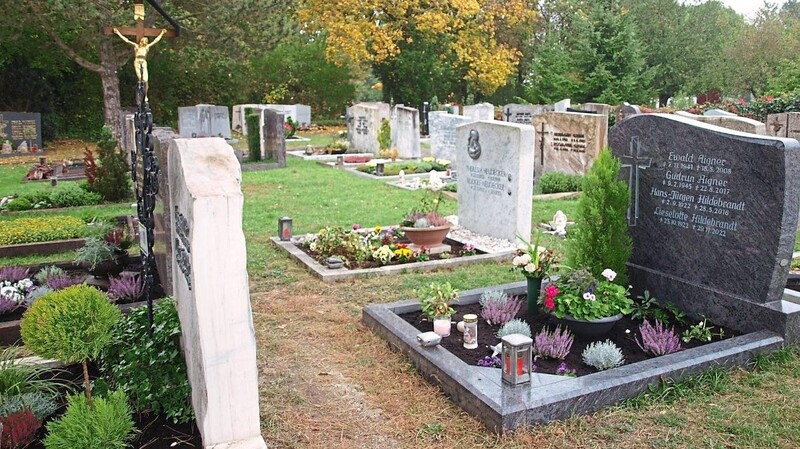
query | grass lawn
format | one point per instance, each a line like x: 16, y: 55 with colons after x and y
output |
x: 327, y: 382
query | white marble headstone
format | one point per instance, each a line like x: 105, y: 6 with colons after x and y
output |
x: 212, y: 292
x: 495, y: 178
x: 405, y: 132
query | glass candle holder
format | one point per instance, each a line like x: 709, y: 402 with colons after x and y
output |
x: 441, y: 325
x: 471, y: 331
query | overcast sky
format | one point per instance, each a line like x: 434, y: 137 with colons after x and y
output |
x: 748, y: 7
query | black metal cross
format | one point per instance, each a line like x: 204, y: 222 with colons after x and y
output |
x: 634, y: 163
x: 508, y: 114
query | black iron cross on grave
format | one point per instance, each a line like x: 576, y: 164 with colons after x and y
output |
x: 634, y: 163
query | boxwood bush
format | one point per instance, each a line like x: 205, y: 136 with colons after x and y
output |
x: 65, y: 195
x: 41, y: 229
x: 554, y: 182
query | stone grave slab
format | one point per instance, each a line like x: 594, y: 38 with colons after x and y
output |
x: 209, y: 270
x: 480, y: 111
x: 568, y: 142
x: 495, y: 182
x: 204, y: 120
x: 523, y: 113
x: 363, y: 123
x: 501, y: 407
x: 19, y: 127
x: 713, y: 218
x: 300, y: 113
x: 442, y: 128
x: 238, y: 122
x: 563, y: 105
x: 600, y: 108
x: 405, y: 132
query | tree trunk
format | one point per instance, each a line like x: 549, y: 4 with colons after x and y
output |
x: 112, y: 108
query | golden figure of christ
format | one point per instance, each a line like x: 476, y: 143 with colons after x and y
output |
x: 140, y: 51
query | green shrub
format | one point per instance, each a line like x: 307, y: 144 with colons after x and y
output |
x: 107, y: 424
x: 253, y: 137
x: 19, y: 204
x: 113, y: 181
x: 385, y: 135
x: 71, y: 325
x: 153, y: 375
x: 72, y: 195
x: 19, y: 379
x: 600, y: 235
x: 41, y: 229
x: 554, y: 182
x: 41, y: 404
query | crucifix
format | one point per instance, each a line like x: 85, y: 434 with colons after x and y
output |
x: 141, y: 43
x: 634, y: 163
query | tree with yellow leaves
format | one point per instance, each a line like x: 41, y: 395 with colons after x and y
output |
x: 469, y: 37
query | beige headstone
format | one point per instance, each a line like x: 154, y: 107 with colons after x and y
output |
x: 212, y: 292
x: 568, y: 142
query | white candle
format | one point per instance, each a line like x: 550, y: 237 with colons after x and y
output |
x: 442, y: 327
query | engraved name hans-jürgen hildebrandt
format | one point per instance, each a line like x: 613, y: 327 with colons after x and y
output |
x: 183, y: 248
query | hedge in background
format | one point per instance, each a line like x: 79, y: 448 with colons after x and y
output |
x: 555, y: 182
x: 253, y: 136
x: 41, y: 229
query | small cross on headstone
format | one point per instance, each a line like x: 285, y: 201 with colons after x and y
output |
x: 634, y: 162
x: 508, y: 114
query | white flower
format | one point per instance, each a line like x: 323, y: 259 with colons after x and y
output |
x: 25, y: 284
x: 517, y: 261
x: 526, y: 259
x: 11, y: 293
x: 609, y: 274
x: 530, y: 268
x: 589, y: 296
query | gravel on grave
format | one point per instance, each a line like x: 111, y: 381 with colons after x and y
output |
x: 623, y: 335
x: 482, y: 242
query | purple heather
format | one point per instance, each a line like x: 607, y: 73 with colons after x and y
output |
x: 658, y: 340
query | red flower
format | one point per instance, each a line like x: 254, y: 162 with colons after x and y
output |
x: 549, y: 303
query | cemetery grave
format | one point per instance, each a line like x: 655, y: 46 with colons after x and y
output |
x: 690, y: 186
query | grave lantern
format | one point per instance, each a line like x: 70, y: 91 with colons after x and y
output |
x: 285, y: 228
x: 379, y: 169
x: 516, y: 359
x: 339, y: 161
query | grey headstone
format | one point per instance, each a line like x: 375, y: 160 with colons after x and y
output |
x: 481, y: 111
x: 562, y: 105
x: 273, y: 140
x: 523, y: 113
x: 568, y: 142
x: 21, y: 127
x: 363, y: 123
x: 443, y: 134
x: 300, y: 113
x: 495, y: 182
x: 405, y: 132
x: 713, y: 213
x: 718, y: 113
x: 204, y: 120
x: 785, y: 124
x: 600, y: 108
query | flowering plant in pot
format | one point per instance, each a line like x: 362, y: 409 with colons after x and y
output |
x: 435, y: 300
x: 578, y: 297
x: 534, y: 262
x: 424, y: 225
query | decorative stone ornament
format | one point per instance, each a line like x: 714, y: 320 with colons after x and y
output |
x: 516, y: 359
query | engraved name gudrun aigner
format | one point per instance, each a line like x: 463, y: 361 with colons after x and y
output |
x: 694, y: 192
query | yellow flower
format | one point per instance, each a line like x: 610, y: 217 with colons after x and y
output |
x: 377, y: 229
x: 428, y: 159
x: 322, y: 231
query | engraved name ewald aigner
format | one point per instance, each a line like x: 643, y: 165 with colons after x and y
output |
x: 183, y: 248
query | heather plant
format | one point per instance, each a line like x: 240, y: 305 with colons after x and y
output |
x: 13, y: 274
x: 600, y: 236
x: 658, y: 340
x: 515, y: 326
x: 18, y: 429
x: 62, y: 281
x: 552, y: 345
x: 499, y: 308
x: 47, y: 272
x: 8, y: 304
x: 126, y: 288
x: 603, y: 355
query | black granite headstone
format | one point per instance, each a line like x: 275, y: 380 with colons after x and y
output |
x: 713, y: 212
x: 21, y: 126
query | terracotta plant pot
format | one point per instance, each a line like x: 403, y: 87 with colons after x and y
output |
x: 427, y: 236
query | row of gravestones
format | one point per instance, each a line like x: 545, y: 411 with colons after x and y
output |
x: 204, y: 120
x: 207, y: 120
x: 713, y: 212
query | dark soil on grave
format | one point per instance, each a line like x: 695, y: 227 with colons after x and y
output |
x: 132, y: 264
x: 487, y: 337
x: 456, y: 252
x: 154, y: 432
